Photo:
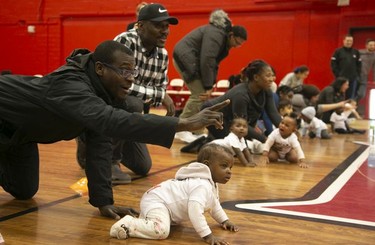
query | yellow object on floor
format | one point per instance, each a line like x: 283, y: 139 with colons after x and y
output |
x: 80, y: 186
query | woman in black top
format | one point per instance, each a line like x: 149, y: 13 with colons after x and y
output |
x: 248, y: 99
x: 333, y: 93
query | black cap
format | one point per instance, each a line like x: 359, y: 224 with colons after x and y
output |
x: 156, y: 12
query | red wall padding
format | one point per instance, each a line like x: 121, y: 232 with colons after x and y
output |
x: 285, y: 33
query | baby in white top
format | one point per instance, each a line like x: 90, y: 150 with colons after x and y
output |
x: 283, y: 144
x: 312, y: 125
x: 236, y: 142
x: 188, y: 196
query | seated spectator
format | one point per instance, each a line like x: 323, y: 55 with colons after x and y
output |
x: 333, y: 93
x: 285, y: 107
x: 248, y: 99
x: 308, y: 97
x: 295, y: 79
x: 237, y: 79
x: 284, y: 92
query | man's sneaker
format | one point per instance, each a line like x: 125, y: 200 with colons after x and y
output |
x: 119, y: 177
x: 81, y: 152
x: 185, y: 136
x: 119, y: 230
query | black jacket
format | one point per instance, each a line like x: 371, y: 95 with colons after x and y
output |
x: 68, y: 102
x: 200, y: 52
x: 346, y: 62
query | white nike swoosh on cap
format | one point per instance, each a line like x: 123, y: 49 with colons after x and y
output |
x: 162, y: 10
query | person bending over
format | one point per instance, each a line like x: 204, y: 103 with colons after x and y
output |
x: 76, y: 99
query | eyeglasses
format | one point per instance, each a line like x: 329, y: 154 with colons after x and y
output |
x: 125, y: 73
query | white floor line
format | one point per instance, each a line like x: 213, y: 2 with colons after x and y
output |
x: 325, y: 197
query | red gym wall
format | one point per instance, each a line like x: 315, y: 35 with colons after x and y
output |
x: 285, y: 33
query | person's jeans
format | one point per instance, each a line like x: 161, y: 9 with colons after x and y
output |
x: 133, y: 155
x: 193, y: 104
x: 351, y: 92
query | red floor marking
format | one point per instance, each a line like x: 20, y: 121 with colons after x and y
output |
x: 356, y: 200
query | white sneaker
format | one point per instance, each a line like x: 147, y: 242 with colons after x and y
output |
x: 200, y: 135
x: 185, y: 136
x: 120, y: 230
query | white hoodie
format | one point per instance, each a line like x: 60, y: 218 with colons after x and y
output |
x: 187, y: 197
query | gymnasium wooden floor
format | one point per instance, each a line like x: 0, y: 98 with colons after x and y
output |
x: 332, y: 202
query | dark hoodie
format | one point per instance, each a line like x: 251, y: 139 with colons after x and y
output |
x: 68, y: 102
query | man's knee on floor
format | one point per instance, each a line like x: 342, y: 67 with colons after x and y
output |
x: 24, y: 192
x: 143, y: 171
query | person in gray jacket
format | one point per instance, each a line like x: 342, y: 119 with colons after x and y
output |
x: 197, y: 56
x: 79, y: 98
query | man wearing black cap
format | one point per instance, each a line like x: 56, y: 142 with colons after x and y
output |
x: 147, y: 42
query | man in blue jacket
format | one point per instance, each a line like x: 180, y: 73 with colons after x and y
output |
x: 75, y: 99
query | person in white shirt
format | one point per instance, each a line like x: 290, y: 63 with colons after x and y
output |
x: 340, y: 123
x: 314, y: 126
x: 188, y: 196
x: 236, y: 141
x: 283, y: 144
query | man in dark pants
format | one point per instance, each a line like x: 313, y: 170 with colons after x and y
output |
x: 346, y: 62
x: 368, y: 67
x: 147, y: 42
x: 77, y: 99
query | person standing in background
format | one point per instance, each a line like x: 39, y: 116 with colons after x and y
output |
x: 346, y: 62
x: 197, y: 56
x: 368, y: 65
